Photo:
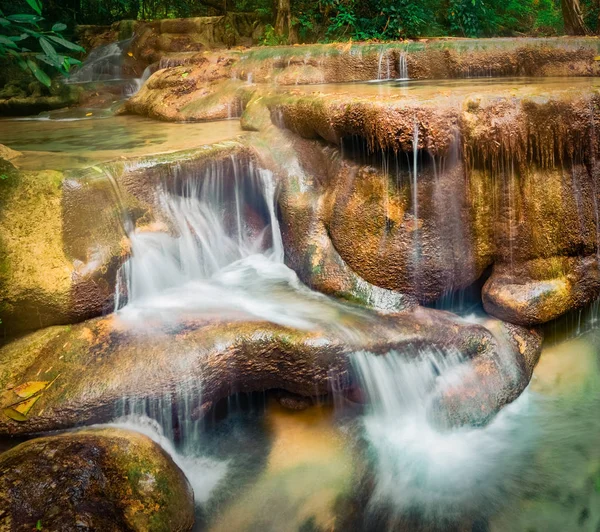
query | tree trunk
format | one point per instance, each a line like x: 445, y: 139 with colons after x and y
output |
x: 573, y: 18
x: 283, y: 21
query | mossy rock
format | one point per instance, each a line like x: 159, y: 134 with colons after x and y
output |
x: 100, y: 479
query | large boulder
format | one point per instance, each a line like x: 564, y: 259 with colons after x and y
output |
x: 88, y: 372
x: 507, y: 179
x: 97, y: 479
x: 58, y: 256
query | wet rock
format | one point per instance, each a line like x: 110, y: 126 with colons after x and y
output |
x: 176, y: 43
x: 97, y: 479
x: 59, y: 258
x: 524, y: 295
x: 497, y: 377
x: 292, y: 401
x: 93, y: 366
x: 190, y: 94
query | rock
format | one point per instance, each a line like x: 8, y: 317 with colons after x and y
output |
x: 535, y: 222
x: 7, y: 154
x: 521, y: 295
x: 292, y: 401
x: 58, y: 258
x: 89, y: 370
x: 96, y: 479
x: 489, y: 380
x: 180, y: 42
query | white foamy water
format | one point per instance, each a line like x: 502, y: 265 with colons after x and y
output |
x: 439, y: 478
x: 222, y: 255
x: 203, y: 473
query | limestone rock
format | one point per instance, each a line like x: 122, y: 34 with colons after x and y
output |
x: 94, y: 365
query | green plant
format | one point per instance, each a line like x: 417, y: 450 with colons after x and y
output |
x: 468, y: 17
x: 344, y: 21
x: 25, y: 28
x: 270, y: 37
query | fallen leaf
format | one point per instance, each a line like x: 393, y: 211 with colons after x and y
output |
x: 28, y: 389
x: 89, y: 114
x: 597, y: 58
x: 130, y: 54
x: 19, y: 411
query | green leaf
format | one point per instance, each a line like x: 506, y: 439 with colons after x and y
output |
x: 25, y: 19
x: 17, y: 38
x: 19, y: 59
x: 59, y: 26
x: 35, y: 5
x: 36, y: 34
x: 45, y: 59
x: 7, y: 42
x: 41, y: 76
x: 49, y: 50
x: 38, y: 525
x: 4, y: 22
x: 66, y: 44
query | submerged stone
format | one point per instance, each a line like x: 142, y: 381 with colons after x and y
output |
x: 97, y: 479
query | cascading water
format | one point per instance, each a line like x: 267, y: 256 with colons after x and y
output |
x: 219, y: 253
x: 384, y: 71
x: 402, y: 67
x: 103, y: 64
x: 422, y: 478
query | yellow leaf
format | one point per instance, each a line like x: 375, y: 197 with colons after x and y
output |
x: 597, y: 58
x: 130, y: 54
x: 19, y: 411
x: 89, y: 114
x: 28, y: 389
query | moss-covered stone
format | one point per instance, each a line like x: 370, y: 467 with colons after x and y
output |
x: 98, y: 479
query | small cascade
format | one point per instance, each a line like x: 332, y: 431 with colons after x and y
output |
x: 203, y: 473
x: 137, y: 83
x: 103, y: 64
x: 384, y: 71
x: 415, y: 173
x: 402, y: 67
x: 420, y: 471
x: 218, y: 252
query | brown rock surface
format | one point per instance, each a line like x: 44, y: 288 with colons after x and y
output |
x: 97, y: 479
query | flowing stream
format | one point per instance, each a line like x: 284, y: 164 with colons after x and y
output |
x: 371, y: 463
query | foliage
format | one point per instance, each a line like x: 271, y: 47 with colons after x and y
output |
x: 16, y: 30
x: 270, y: 38
x: 330, y: 20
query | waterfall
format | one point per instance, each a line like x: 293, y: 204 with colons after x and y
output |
x: 415, y: 173
x: 218, y: 251
x: 137, y: 83
x: 103, y: 64
x: 403, y: 67
x: 419, y: 470
x: 380, y: 70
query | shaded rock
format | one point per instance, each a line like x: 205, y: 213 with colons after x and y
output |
x: 292, y: 401
x: 95, y: 365
x: 97, y: 479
